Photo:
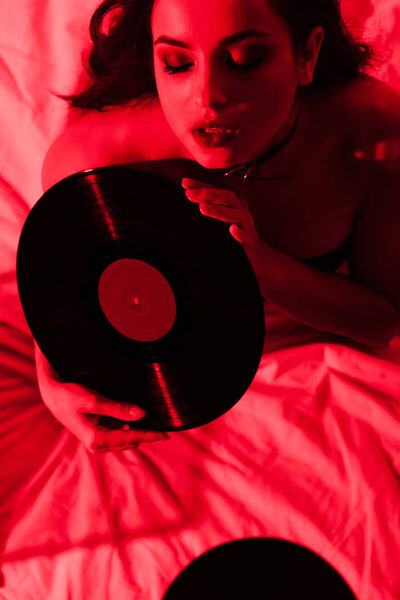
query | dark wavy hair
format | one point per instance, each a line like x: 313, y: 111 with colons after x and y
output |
x: 120, y: 61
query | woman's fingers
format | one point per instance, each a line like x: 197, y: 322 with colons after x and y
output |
x: 98, y: 438
x: 221, y: 212
x: 224, y: 205
x: 118, y: 410
x: 197, y: 191
x: 192, y: 184
x: 101, y: 439
x: 80, y: 409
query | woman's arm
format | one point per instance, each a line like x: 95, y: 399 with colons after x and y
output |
x: 327, y: 301
x: 364, y: 306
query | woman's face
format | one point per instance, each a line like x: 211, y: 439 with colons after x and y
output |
x: 229, y: 61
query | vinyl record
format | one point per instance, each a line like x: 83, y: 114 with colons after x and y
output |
x: 259, y: 569
x: 129, y: 290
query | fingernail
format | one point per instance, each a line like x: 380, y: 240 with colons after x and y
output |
x: 136, y: 412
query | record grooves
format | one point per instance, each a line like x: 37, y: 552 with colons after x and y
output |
x: 130, y: 291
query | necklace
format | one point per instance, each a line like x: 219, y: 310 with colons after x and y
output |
x: 247, y: 167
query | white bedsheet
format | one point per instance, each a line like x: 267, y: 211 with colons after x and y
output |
x: 311, y: 453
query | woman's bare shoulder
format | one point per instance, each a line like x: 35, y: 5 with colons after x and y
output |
x: 115, y: 136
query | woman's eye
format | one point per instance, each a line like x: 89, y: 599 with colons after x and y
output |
x: 245, y: 60
x: 179, y: 69
x: 240, y: 64
x: 245, y: 66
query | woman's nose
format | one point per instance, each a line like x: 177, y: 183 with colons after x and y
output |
x: 210, y: 92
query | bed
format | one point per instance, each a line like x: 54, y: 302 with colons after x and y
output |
x: 310, y: 454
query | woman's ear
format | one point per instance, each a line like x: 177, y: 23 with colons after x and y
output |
x: 308, y: 56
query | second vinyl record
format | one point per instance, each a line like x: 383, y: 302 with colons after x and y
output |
x: 259, y: 569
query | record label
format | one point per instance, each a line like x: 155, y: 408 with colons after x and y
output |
x: 137, y: 300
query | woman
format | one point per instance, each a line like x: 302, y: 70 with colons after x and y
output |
x: 262, y: 111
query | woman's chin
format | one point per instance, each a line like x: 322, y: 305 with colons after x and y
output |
x: 215, y: 159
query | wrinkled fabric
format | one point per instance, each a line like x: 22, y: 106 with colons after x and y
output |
x: 311, y: 453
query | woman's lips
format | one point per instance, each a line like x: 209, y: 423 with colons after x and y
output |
x: 213, y: 137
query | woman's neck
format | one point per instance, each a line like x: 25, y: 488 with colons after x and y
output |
x: 284, y: 161
x: 281, y: 134
x: 275, y: 147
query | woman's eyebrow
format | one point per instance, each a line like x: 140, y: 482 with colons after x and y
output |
x: 231, y: 39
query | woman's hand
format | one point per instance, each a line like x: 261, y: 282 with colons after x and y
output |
x: 225, y: 205
x: 79, y: 409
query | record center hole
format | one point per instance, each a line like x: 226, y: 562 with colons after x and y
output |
x: 137, y: 303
